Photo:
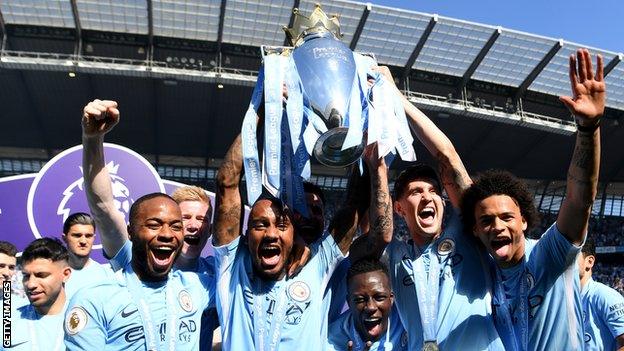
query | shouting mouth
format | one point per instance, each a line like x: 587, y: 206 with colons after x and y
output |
x: 270, y: 255
x: 373, y: 326
x: 163, y: 256
x: 427, y: 216
x: 501, y: 246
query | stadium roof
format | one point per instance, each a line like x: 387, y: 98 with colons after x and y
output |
x: 451, y: 46
x: 451, y: 53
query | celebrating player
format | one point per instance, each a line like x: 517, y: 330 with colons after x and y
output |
x: 438, y: 278
x: 371, y: 322
x: 154, y: 307
x: 259, y: 308
x: 537, y: 293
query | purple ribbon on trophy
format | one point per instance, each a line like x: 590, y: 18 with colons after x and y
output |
x: 331, y: 112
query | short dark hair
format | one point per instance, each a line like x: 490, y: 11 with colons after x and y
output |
x: 314, y: 189
x: 46, y: 248
x: 366, y: 265
x: 283, y: 208
x: 8, y: 249
x: 411, y: 173
x: 589, y: 248
x: 77, y: 218
x: 498, y: 182
x: 134, y: 209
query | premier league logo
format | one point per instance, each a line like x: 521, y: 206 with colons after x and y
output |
x: 58, y: 189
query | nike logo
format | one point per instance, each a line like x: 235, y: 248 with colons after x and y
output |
x: 125, y: 314
x: 16, y: 345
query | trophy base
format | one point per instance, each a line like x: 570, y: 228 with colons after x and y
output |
x: 327, y: 149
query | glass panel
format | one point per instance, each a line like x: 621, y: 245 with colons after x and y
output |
x: 129, y: 16
x: 256, y: 23
x: 52, y: 13
x: 189, y: 19
x: 512, y: 58
x: 392, y: 34
x: 452, y: 46
x: 615, y: 86
x: 554, y: 79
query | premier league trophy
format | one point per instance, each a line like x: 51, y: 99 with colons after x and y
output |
x: 327, y: 70
x: 331, y: 110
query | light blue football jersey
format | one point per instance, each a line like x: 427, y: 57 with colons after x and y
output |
x: 30, y: 331
x: 554, y: 296
x: 106, y: 317
x: 464, y: 311
x: 92, y: 273
x: 293, y: 307
x: 603, y: 316
x: 342, y: 330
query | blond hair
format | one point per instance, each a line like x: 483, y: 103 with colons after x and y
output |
x: 191, y: 193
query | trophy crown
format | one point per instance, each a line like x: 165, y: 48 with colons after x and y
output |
x: 317, y: 22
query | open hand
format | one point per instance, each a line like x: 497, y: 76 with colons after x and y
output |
x: 588, y: 89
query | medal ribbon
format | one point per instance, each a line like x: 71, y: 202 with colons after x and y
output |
x: 427, y: 287
x: 515, y: 337
x: 135, y: 288
x: 268, y: 339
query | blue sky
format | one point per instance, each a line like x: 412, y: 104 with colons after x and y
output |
x: 597, y: 23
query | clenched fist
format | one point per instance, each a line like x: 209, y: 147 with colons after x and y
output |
x: 99, y: 117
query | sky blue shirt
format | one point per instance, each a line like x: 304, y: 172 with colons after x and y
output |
x: 555, y: 317
x: 342, y: 331
x: 238, y: 289
x: 464, y: 318
x: 92, y: 273
x: 603, y: 316
x: 337, y: 291
x: 105, y: 316
x: 30, y: 331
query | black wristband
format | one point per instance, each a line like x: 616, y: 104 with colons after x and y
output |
x: 588, y: 129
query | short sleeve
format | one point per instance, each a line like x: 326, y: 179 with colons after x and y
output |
x: 84, y: 327
x: 612, y: 308
x: 551, y: 255
x: 122, y: 258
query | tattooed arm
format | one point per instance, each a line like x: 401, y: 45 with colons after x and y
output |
x: 587, y: 106
x: 380, y: 210
x: 228, y: 203
x: 453, y: 174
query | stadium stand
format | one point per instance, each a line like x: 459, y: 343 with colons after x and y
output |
x: 192, y: 63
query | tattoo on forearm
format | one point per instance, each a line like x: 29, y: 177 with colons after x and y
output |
x: 584, y: 153
x: 228, y: 219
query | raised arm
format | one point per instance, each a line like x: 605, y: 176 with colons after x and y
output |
x: 380, y: 210
x: 587, y: 106
x: 99, y: 117
x: 453, y: 174
x: 228, y: 203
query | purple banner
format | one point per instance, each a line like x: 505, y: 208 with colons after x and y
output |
x: 36, y: 205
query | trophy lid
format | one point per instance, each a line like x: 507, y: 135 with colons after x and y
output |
x: 317, y: 22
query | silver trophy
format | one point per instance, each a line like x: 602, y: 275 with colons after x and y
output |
x: 327, y: 70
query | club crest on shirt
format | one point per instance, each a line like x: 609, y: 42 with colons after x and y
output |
x: 299, y: 291
x: 446, y: 247
x: 76, y: 320
x: 186, y: 302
